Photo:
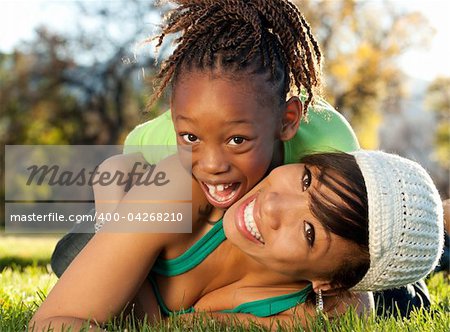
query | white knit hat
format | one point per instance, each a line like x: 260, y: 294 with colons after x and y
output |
x: 405, y: 221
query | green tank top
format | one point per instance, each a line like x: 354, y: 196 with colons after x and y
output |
x: 196, y: 254
x: 325, y: 130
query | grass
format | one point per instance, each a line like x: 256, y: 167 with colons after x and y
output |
x: 26, y: 278
x: 22, y: 290
x: 23, y: 251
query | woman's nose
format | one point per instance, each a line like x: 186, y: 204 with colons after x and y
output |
x: 281, y: 210
x: 273, y: 208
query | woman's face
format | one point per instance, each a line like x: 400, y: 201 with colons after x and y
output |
x: 274, y: 225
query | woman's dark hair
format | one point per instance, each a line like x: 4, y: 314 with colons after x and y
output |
x: 344, y: 213
x: 243, y: 37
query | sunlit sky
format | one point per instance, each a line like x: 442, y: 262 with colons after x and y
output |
x: 19, y: 18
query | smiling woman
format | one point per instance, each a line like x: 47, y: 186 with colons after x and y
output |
x: 323, y: 209
x: 274, y: 246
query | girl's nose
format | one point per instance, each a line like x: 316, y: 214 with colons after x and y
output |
x: 213, y: 161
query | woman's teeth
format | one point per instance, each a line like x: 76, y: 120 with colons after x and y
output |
x: 220, y: 193
x: 250, y: 221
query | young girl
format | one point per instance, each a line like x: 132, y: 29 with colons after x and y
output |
x: 366, y: 221
x: 231, y: 72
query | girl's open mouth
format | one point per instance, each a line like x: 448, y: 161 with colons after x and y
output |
x: 221, y: 195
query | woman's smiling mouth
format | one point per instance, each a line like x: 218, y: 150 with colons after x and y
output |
x: 245, y: 221
x: 250, y: 221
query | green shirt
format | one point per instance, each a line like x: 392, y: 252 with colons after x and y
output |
x: 325, y: 130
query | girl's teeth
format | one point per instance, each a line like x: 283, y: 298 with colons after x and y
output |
x: 214, y: 189
x: 219, y: 187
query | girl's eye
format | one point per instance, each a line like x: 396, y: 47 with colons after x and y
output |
x: 236, y: 140
x: 190, y: 138
x: 309, y: 233
x: 306, y: 179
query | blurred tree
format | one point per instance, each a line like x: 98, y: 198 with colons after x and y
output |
x: 361, y: 42
x: 36, y: 108
x: 83, y: 87
x: 109, y: 75
x: 438, y: 101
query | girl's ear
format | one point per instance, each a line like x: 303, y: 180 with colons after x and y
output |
x: 291, y: 118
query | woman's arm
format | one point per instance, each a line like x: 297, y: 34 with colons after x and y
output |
x: 333, y: 307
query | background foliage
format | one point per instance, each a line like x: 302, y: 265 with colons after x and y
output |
x: 90, y: 86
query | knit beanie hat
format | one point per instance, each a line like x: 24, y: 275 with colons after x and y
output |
x: 405, y: 221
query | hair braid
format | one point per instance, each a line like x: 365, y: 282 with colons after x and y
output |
x: 243, y: 37
x: 308, y: 66
x: 303, y: 71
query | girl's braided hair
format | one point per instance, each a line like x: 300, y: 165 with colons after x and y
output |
x: 250, y: 36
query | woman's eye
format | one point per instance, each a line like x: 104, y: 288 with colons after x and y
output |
x: 190, y: 138
x: 309, y: 233
x: 236, y: 140
x: 306, y: 180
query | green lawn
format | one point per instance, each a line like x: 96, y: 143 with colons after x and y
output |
x: 26, y: 278
x: 22, y: 251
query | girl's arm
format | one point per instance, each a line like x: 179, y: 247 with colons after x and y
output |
x: 125, y: 169
x: 100, y: 288
x: 110, y: 271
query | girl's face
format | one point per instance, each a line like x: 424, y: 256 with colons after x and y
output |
x: 233, y: 128
x: 274, y: 225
